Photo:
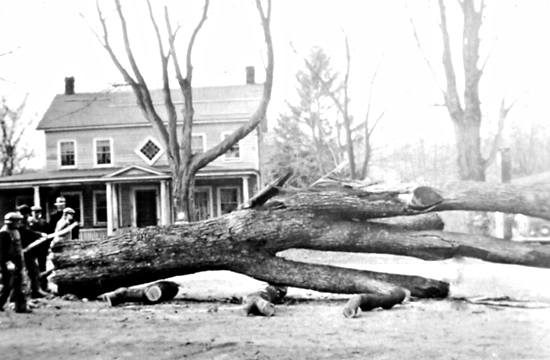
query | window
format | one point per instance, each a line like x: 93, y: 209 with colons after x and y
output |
x: 103, y: 152
x: 100, y: 208
x: 229, y: 199
x: 67, y: 153
x: 24, y: 200
x: 234, y: 153
x: 197, y: 143
x: 150, y: 151
x: 203, y: 203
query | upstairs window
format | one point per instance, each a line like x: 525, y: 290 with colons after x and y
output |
x: 234, y: 153
x: 67, y: 153
x: 103, y: 152
x: 197, y: 143
x: 150, y: 151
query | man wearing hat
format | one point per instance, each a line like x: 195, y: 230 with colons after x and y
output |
x: 65, y: 222
x: 38, y: 223
x: 12, y: 263
x: 28, y: 236
x: 57, y: 214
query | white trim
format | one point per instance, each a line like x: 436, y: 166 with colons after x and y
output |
x: 59, y: 154
x: 203, y: 135
x: 232, y: 159
x: 210, y: 198
x: 219, y: 202
x: 81, y: 206
x: 107, y: 178
x: 111, y: 152
x: 206, y: 119
x: 133, y: 201
x: 133, y: 167
x: 143, y: 143
x: 94, y: 207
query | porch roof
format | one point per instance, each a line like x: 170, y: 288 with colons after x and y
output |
x: 103, y: 175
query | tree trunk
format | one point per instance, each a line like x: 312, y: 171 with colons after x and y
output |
x: 247, y: 241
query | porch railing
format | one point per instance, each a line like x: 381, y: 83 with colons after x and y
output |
x: 100, y: 233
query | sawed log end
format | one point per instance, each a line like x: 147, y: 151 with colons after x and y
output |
x: 366, y: 302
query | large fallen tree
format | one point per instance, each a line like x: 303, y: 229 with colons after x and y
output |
x: 330, y: 216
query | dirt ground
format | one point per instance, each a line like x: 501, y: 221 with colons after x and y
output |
x: 206, y: 322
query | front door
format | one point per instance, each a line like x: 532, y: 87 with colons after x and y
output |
x: 146, y: 207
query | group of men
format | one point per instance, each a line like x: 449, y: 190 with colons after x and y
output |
x: 24, y: 246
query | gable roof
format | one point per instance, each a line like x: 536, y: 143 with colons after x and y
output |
x: 134, y: 170
x: 118, y: 108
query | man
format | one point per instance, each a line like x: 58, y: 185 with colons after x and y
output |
x: 63, y: 223
x: 38, y: 223
x: 12, y: 263
x: 28, y: 236
x: 57, y: 214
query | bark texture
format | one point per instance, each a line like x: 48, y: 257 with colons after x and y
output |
x: 329, y: 218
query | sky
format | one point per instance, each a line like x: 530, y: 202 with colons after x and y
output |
x: 54, y: 39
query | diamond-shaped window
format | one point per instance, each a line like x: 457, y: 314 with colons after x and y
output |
x: 150, y: 151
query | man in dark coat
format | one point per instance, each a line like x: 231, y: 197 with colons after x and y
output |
x: 12, y: 263
x: 39, y: 224
x: 28, y: 236
x: 57, y: 214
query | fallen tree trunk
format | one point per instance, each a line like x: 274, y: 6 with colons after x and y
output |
x: 247, y: 241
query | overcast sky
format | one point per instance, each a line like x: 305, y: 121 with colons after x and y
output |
x: 53, y: 41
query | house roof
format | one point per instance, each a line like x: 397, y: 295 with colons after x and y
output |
x: 117, y: 108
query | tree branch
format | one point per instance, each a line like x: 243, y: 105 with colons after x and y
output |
x: 260, y: 113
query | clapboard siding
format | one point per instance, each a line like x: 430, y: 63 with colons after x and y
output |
x: 127, y: 141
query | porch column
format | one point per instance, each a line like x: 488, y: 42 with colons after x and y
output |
x: 245, y: 189
x: 114, y: 208
x: 164, y: 203
x: 36, y: 199
x: 110, y: 228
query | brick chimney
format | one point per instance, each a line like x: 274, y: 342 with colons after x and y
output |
x: 250, y: 75
x: 69, y: 85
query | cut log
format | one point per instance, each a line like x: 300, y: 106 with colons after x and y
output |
x: 263, y: 302
x: 150, y: 294
x: 247, y: 241
x: 367, y: 302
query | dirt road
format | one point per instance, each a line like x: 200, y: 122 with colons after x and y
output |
x: 308, y: 325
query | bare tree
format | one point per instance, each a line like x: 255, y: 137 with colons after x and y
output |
x: 466, y: 112
x: 13, y: 124
x: 183, y: 163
